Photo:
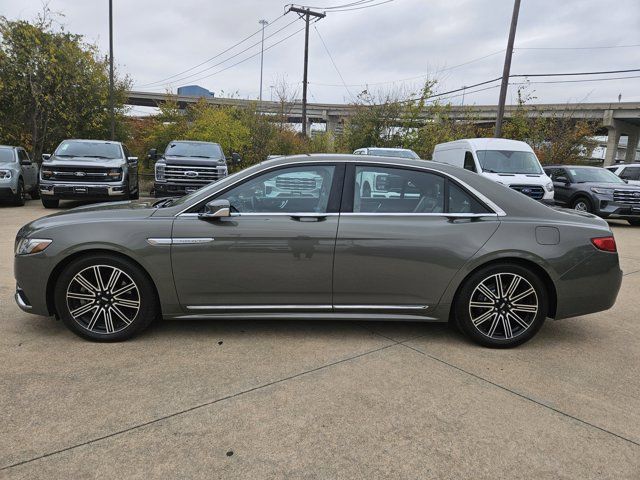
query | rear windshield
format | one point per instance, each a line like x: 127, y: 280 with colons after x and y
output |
x: 507, y: 161
x: 6, y: 155
x: 71, y: 148
x: 186, y: 149
x: 595, y: 174
x: 390, y: 152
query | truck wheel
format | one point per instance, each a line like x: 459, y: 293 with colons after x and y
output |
x: 18, y: 198
x: 50, y: 202
x: 136, y: 195
x: 105, y: 298
x: 634, y: 222
x: 35, y: 193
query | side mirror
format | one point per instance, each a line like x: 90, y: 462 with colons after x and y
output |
x: 46, y: 156
x: 133, y: 160
x: 153, y: 153
x: 25, y: 162
x: 219, y: 208
x: 562, y: 180
x: 236, y: 158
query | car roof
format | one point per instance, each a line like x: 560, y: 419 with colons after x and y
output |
x: 571, y: 166
x: 193, y: 141
x: 488, y: 143
x: 8, y: 146
x: 90, y: 140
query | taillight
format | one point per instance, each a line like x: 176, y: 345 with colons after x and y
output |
x: 607, y: 244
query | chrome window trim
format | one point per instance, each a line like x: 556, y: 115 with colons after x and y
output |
x: 496, y: 209
x: 271, y: 214
x: 418, y: 214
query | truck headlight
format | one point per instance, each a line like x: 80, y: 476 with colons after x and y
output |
x: 160, y: 172
x: 549, y: 187
x: 114, y: 174
x: 46, y: 173
x: 27, y: 246
x: 6, y: 174
x: 602, y: 191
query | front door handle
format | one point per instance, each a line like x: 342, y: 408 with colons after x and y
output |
x: 309, y: 217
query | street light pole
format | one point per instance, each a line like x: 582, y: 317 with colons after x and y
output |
x: 507, y: 68
x: 264, y: 23
x: 111, y: 106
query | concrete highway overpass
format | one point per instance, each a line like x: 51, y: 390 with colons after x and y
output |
x: 617, y: 119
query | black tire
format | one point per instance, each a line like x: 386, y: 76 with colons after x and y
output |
x: 35, y: 193
x: 18, y: 198
x: 105, y: 305
x: 366, y: 191
x: 582, y: 204
x: 634, y: 222
x: 502, y: 309
x: 136, y: 194
x: 50, y: 202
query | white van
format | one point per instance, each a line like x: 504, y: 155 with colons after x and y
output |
x: 509, y: 162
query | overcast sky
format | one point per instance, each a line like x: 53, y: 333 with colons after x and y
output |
x: 401, y: 39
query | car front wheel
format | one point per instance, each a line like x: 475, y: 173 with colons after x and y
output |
x: 582, y: 204
x: 105, y: 298
x: 501, y: 306
x: 18, y: 198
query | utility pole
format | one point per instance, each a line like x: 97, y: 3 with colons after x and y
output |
x: 264, y: 23
x: 111, y: 107
x: 507, y: 68
x: 305, y: 13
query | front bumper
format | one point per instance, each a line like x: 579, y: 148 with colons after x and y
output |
x: 76, y: 191
x: 164, y: 189
x: 7, y: 192
x: 610, y: 209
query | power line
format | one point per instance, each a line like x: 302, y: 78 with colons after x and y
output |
x: 333, y: 62
x: 579, y: 48
x: 359, y: 2
x: 363, y: 7
x: 410, y: 78
x: 576, y: 81
x: 576, y: 73
x: 189, y: 77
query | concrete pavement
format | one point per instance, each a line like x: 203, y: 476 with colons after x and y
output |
x: 286, y: 399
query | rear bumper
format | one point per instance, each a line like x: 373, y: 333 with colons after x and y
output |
x: 591, y: 286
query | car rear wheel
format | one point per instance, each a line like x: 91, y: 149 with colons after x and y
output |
x: 105, y: 298
x: 634, y: 222
x: 501, y: 306
x: 582, y: 204
x: 50, y: 202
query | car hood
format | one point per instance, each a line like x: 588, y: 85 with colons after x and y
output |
x: 83, y: 162
x: 126, y: 210
x: 617, y: 186
x: 8, y: 166
x: 192, y: 161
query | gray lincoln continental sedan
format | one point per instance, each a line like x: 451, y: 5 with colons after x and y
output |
x: 296, y: 237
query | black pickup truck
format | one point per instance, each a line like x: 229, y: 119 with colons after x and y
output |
x: 187, y: 166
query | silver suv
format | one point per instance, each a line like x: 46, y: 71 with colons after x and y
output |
x: 96, y: 170
x: 18, y: 174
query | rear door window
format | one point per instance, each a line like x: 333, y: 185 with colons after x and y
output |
x: 630, y: 173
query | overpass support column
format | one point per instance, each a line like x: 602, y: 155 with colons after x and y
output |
x: 333, y: 123
x: 613, y: 138
x: 632, y: 146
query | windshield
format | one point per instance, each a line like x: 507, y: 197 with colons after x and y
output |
x: 189, y: 149
x: 71, y: 148
x: 6, y: 155
x: 392, y: 152
x: 507, y: 161
x: 594, y: 174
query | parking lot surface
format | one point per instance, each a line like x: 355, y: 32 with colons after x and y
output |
x: 325, y: 400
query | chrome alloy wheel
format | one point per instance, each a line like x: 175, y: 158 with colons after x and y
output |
x: 581, y: 206
x: 503, y: 306
x: 103, y: 299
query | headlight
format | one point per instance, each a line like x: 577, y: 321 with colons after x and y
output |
x: 602, y: 191
x: 549, y: 187
x: 114, y: 174
x: 160, y: 172
x: 46, y: 173
x: 5, y: 174
x: 32, y: 245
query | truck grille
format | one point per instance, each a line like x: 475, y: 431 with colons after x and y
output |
x: 81, y: 174
x: 295, y: 183
x: 534, y: 191
x: 192, y: 175
x: 631, y: 197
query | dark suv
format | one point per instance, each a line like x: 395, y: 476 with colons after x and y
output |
x: 595, y: 190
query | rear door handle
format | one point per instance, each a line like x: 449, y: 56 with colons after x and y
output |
x: 309, y: 217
